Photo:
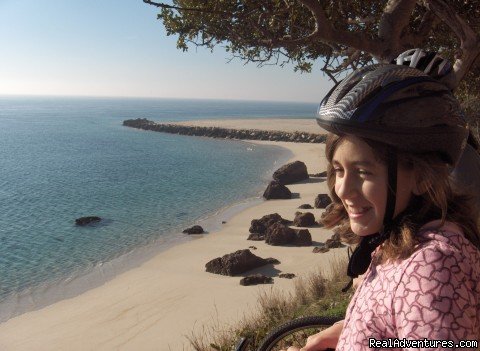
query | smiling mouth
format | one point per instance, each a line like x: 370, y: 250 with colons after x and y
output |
x: 357, y: 212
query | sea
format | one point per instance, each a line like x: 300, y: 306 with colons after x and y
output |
x: 63, y: 158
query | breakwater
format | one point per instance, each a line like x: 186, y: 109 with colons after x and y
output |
x: 225, y: 133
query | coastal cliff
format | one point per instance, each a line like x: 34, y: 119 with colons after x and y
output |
x: 225, y: 133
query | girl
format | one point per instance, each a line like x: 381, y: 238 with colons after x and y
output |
x: 395, y: 134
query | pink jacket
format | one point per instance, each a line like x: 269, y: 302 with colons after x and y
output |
x: 433, y: 294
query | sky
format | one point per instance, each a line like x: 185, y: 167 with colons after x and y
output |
x: 119, y: 48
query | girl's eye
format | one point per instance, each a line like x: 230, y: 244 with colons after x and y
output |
x: 337, y: 170
x: 363, y: 172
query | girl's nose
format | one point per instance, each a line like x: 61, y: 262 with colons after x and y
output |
x: 346, y: 186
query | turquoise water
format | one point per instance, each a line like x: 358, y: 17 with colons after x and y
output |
x: 63, y: 158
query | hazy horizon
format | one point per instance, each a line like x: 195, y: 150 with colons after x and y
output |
x: 149, y: 98
x: 119, y: 49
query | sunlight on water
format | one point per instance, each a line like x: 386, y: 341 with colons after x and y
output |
x: 66, y: 158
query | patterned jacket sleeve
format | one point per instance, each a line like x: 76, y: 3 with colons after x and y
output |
x: 436, y: 297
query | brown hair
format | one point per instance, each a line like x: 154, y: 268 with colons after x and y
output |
x: 438, y: 201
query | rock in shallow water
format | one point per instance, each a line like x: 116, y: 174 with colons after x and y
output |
x: 83, y: 221
x: 196, y: 229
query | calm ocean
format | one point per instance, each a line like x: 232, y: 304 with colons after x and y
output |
x: 63, y: 158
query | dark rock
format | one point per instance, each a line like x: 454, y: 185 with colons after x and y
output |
x: 235, y: 263
x: 256, y: 237
x: 291, y: 173
x: 306, y: 219
x: 279, y: 234
x: 305, y: 206
x: 82, y: 221
x: 328, y: 209
x: 302, y: 238
x: 256, y: 279
x: 196, y: 229
x: 272, y: 260
x: 287, y: 275
x: 260, y: 225
x: 275, y: 190
x: 321, y: 249
x: 334, y: 242
x: 320, y: 175
x: 252, y: 247
x: 322, y: 201
x: 223, y: 222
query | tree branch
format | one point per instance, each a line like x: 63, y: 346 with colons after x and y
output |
x: 469, y: 40
x: 416, y: 39
x: 192, y: 9
x: 394, y: 20
x: 326, y: 33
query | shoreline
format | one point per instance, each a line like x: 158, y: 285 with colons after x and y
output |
x: 154, y: 305
x: 48, y: 293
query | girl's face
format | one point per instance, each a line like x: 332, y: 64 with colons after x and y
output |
x: 361, y: 184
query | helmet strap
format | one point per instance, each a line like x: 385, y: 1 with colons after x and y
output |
x: 392, y: 167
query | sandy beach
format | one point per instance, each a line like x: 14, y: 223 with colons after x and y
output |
x: 153, y: 306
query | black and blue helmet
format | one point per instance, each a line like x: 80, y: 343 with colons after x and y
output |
x: 397, y: 105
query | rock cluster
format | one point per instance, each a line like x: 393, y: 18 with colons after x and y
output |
x: 279, y: 234
x: 216, y: 132
x: 260, y: 226
x: 304, y: 219
x: 275, y: 231
x: 332, y: 243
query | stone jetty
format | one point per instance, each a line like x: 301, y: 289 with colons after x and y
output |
x: 225, y: 133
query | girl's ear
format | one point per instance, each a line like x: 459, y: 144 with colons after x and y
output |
x: 419, y: 186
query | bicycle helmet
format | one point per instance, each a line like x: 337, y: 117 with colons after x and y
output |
x: 429, y: 62
x: 399, y: 106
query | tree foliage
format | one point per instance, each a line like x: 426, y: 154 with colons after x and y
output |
x: 342, y: 34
